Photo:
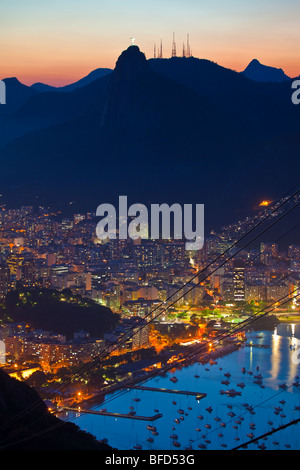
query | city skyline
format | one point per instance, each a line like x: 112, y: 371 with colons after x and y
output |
x: 53, y: 269
x: 52, y: 43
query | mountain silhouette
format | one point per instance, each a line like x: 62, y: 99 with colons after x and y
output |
x: 17, y: 93
x: 97, y: 73
x: 263, y: 73
x: 160, y: 130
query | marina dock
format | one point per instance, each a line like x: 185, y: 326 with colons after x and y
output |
x: 198, y: 395
x: 113, y: 415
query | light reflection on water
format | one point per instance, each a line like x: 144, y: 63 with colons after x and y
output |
x: 274, y: 363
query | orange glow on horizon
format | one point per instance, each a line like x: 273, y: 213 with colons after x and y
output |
x: 60, y: 66
x: 52, y: 43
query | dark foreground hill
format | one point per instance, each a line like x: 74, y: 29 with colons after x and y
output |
x: 26, y: 424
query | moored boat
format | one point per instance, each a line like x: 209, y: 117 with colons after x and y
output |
x: 174, y: 379
x: 176, y: 444
x: 151, y: 428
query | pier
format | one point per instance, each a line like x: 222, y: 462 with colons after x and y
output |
x: 113, y: 415
x: 198, y: 395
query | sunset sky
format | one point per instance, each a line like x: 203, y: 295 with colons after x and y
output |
x: 60, y: 41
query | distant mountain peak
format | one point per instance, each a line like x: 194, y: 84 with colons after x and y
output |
x: 254, y: 62
x: 94, y: 75
x: 130, y: 70
x: 12, y: 81
x: 262, y: 73
x: 132, y: 62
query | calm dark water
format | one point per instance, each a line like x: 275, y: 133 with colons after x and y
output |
x: 276, y: 363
